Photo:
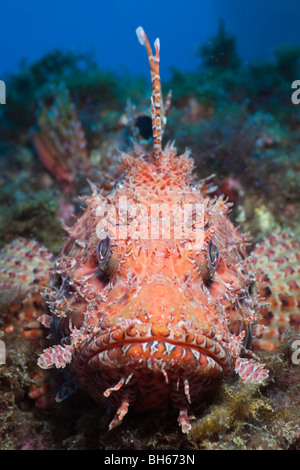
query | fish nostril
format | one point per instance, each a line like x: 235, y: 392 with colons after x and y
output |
x: 208, y: 283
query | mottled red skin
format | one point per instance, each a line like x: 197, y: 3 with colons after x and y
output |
x: 278, y: 273
x: 25, y: 267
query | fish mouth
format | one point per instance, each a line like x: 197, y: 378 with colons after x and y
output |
x: 156, y: 347
x: 151, y: 367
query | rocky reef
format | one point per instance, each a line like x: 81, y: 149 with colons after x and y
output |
x: 240, y: 416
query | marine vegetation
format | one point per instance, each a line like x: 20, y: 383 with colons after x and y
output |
x: 38, y: 82
x: 220, y: 52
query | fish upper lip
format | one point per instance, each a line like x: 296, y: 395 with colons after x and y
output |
x: 201, y: 341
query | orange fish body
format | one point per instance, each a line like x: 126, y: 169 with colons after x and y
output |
x: 159, y: 310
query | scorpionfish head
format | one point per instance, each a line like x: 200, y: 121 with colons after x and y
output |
x: 153, y: 304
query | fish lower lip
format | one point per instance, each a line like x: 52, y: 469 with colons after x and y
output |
x: 125, y: 348
x: 150, y: 373
x: 157, y: 355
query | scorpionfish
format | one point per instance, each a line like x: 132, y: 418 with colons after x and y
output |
x: 154, y: 300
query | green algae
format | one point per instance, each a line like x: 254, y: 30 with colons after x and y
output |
x: 220, y: 52
x: 29, y: 201
x: 31, y: 215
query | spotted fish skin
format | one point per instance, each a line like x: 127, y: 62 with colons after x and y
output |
x: 277, y: 280
x: 25, y: 269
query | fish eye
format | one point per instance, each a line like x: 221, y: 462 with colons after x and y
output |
x: 213, y: 254
x: 103, y: 252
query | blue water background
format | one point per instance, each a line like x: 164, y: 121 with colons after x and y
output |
x: 29, y: 29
